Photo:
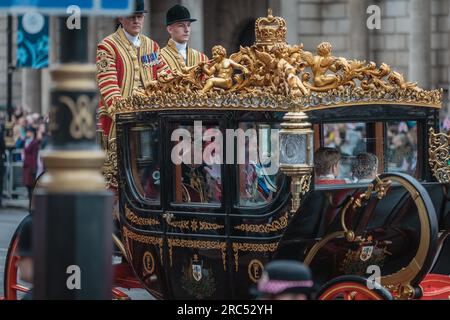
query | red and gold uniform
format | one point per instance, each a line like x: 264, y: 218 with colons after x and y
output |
x: 122, y: 69
x: 176, y: 61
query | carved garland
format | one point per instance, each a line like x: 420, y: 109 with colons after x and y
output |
x: 144, y: 239
x: 133, y: 218
x: 439, y: 152
x: 197, y: 244
x: 252, y: 247
x: 110, y: 169
x: 195, y: 225
x: 276, y: 225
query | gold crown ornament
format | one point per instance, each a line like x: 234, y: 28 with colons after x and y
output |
x: 270, y: 30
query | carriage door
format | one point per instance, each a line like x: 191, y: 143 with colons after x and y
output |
x: 195, y: 201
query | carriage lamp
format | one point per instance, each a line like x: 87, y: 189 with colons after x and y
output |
x: 296, y: 154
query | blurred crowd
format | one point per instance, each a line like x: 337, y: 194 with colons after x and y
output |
x: 350, y: 140
x: 30, y: 135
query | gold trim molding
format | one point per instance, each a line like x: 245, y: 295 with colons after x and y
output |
x: 276, y: 225
x: 194, y: 225
x: 198, y: 244
x: 251, y: 247
x: 439, y: 155
x: 158, y: 241
x: 110, y: 169
x: 133, y: 218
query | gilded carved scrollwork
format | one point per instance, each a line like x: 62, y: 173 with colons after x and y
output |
x: 133, y: 218
x: 194, y: 225
x: 110, y: 165
x: 439, y: 155
x: 251, y: 247
x: 198, y: 244
x: 158, y: 241
x: 276, y: 225
x: 272, y: 70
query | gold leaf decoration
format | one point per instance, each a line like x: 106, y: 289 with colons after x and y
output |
x: 133, y: 218
x: 276, y: 225
x: 439, y: 155
x: 251, y: 247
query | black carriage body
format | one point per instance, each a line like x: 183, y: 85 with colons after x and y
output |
x: 228, y: 245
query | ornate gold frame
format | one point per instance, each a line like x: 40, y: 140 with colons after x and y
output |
x: 199, y: 244
x: 158, y: 241
x: 276, y: 225
x: 439, y: 155
x: 251, y: 247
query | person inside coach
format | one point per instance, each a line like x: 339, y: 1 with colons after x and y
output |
x: 326, y: 166
x: 365, y: 167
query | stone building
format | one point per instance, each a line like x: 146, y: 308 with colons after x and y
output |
x: 413, y: 38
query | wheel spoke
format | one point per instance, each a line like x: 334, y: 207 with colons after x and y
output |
x: 20, y: 288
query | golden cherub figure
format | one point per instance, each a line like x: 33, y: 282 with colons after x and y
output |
x: 320, y: 64
x: 284, y: 67
x: 221, y: 71
x: 279, y: 60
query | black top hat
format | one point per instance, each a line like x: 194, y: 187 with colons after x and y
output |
x: 25, y: 246
x: 140, y: 7
x: 285, y: 276
x: 178, y: 13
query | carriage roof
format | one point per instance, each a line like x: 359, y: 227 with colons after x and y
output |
x: 282, y: 77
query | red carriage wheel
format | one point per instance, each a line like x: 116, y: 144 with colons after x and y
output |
x: 14, y: 290
x: 352, y: 288
x: 12, y: 287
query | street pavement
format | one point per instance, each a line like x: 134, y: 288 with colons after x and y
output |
x: 12, y: 212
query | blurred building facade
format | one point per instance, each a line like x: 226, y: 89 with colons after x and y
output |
x: 414, y: 37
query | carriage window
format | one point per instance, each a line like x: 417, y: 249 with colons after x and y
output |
x: 197, y: 155
x: 144, y: 149
x: 401, y: 153
x: 259, y: 178
x: 350, y: 140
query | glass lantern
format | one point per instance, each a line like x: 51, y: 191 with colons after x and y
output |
x: 297, y: 154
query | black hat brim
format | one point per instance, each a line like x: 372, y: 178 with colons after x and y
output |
x: 305, y: 290
x: 180, y: 20
x: 141, y: 11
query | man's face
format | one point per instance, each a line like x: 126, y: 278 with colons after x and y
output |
x: 180, y: 31
x: 133, y: 24
x: 335, y: 170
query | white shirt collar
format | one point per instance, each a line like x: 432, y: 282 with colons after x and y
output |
x: 329, y: 176
x: 181, y: 47
x: 135, y: 40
